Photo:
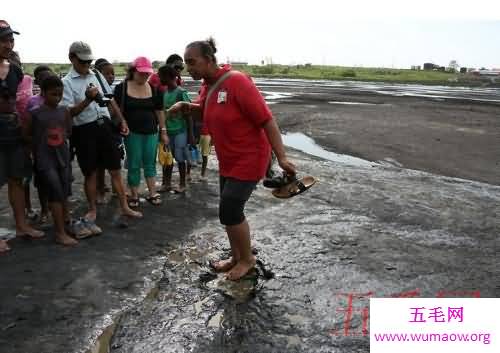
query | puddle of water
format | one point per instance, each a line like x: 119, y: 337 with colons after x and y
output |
x: 307, y: 145
x: 269, y: 95
x: 351, y: 103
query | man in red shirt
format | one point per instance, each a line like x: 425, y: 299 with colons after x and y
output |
x: 244, y: 132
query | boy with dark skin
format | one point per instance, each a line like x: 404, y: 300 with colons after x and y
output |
x: 168, y: 77
x: 50, y: 121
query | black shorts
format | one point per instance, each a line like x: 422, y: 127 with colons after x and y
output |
x: 95, y: 147
x: 15, y: 162
x: 55, y: 184
x: 234, y: 194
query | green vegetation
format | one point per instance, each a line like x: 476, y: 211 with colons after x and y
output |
x: 316, y: 72
x: 120, y: 68
x: 350, y: 73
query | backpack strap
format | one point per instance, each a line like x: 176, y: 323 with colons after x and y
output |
x: 124, y: 95
x: 98, y: 75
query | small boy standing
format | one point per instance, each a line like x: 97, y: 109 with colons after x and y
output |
x: 35, y: 101
x: 48, y: 128
x: 179, y: 128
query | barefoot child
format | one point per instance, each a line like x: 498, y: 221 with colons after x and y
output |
x: 48, y: 128
x: 179, y: 127
x: 40, y: 73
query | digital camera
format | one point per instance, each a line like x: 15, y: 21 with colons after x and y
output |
x: 103, y: 101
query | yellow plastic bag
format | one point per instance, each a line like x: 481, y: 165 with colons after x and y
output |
x: 164, y: 155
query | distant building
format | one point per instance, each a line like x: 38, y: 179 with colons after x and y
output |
x: 430, y: 66
x: 240, y: 63
x: 463, y: 70
x: 416, y: 67
x: 489, y: 72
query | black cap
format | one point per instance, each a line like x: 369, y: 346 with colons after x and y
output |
x: 5, y: 29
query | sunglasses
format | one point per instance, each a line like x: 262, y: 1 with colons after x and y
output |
x: 84, y: 62
x: 179, y: 67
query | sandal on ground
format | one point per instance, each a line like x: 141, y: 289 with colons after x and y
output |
x: 78, y: 229
x: 154, y: 200
x: 31, y: 215
x: 133, y: 202
x: 32, y: 234
x: 90, y: 225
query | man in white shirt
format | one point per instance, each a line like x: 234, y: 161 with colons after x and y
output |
x: 92, y: 134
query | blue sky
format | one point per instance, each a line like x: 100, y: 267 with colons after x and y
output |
x: 385, y: 33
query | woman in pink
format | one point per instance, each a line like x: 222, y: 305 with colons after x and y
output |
x: 243, y: 132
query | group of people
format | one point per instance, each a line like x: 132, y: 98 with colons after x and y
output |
x: 149, y: 114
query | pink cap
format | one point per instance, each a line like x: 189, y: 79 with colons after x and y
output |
x: 142, y: 64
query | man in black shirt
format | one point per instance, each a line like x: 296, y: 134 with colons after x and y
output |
x: 15, y: 163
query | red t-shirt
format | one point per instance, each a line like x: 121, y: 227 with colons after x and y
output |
x: 154, y: 80
x: 234, y: 116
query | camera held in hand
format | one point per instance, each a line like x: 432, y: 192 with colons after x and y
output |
x: 103, y: 101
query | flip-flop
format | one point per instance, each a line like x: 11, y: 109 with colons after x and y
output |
x: 27, y: 235
x: 154, y: 200
x: 132, y: 202
x: 295, y: 188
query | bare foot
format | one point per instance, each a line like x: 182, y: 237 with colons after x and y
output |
x: 4, y: 247
x: 65, y: 240
x: 131, y: 213
x: 240, y: 269
x: 28, y: 232
x: 223, y: 265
